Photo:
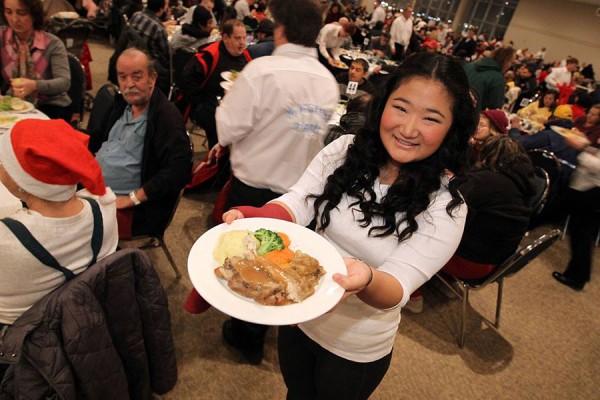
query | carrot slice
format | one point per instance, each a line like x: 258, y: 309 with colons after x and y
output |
x: 285, y: 238
x: 280, y: 257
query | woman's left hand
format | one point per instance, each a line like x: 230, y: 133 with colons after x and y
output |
x: 23, y: 87
x: 359, y: 275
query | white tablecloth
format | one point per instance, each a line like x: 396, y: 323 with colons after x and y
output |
x: 8, y: 203
x: 16, y: 116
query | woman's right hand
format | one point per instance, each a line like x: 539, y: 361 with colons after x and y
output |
x: 232, y: 215
x: 22, y: 87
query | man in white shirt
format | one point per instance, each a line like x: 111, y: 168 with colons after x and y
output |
x: 274, y: 119
x: 400, y: 32
x: 561, y: 76
x: 378, y: 14
x: 242, y: 8
x: 330, y: 39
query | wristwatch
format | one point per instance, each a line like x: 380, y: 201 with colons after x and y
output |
x: 134, y: 198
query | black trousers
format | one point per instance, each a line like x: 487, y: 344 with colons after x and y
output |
x: 204, y: 115
x: 584, y: 208
x: 311, y: 372
x: 57, y: 112
x: 399, y: 56
x: 248, y: 334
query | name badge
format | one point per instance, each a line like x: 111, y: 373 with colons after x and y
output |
x: 352, y: 88
x: 524, y: 102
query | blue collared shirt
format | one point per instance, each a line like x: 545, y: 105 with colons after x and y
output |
x: 120, y: 157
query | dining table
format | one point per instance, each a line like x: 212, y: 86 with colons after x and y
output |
x: 9, y: 118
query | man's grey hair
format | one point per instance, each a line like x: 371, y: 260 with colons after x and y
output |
x: 134, y: 50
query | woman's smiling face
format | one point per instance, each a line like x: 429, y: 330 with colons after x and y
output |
x: 415, y: 120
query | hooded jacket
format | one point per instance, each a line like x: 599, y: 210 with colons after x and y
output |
x: 499, y: 211
x: 106, y: 334
x: 486, y: 82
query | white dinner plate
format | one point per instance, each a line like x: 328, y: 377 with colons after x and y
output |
x: 228, y: 76
x: 226, y: 85
x: 8, y: 121
x: 340, y: 64
x: 27, y: 107
x: 567, y: 132
x: 201, y: 266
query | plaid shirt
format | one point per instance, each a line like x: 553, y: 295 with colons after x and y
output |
x: 152, y: 29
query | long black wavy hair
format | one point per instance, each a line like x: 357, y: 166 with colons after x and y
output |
x: 411, y: 193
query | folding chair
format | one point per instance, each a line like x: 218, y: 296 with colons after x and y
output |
x: 150, y: 241
x: 102, y: 105
x: 77, y: 89
x: 511, y: 266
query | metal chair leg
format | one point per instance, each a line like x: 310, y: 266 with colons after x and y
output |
x: 463, y: 322
x: 170, y: 258
x: 564, y: 230
x: 499, y: 303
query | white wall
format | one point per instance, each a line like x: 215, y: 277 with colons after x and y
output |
x: 563, y: 27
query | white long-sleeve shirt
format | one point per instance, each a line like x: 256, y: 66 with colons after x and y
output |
x: 558, y: 76
x: 329, y: 40
x: 587, y: 173
x: 401, y: 31
x: 275, y: 116
x: 242, y: 9
x: 378, y: 15
x: 355, y: 330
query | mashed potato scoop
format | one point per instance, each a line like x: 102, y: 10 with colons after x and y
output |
x: 237, y: 243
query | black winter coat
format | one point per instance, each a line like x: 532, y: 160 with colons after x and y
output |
x: 106, y: 334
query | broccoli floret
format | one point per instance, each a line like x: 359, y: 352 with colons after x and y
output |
x: 269, y: 241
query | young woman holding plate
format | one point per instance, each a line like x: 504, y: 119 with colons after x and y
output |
x: 382, y: 196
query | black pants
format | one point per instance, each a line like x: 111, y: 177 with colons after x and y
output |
x: 399, y: 56
x: 57, y: 112
x: 246, y: 333
x: 311, y: 372
x: 584, y: 208
x: 204, y: 115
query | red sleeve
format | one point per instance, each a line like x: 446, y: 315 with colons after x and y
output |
x: 269, y: 210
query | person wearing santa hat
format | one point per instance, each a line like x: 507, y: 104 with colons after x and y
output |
x: 41, y: 163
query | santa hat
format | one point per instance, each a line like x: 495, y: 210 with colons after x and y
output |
x: 498, y: 119
x: 48, y: 158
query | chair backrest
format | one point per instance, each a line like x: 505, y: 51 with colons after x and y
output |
x: 103, y: 103
x: 542, y: 188
x: 548, y: 161
x: 180, y: 58
x: 77, y: 89
x: 519, y: 259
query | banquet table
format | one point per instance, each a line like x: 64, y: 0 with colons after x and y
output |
x: 9, y: 118
x: 8, y: 203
